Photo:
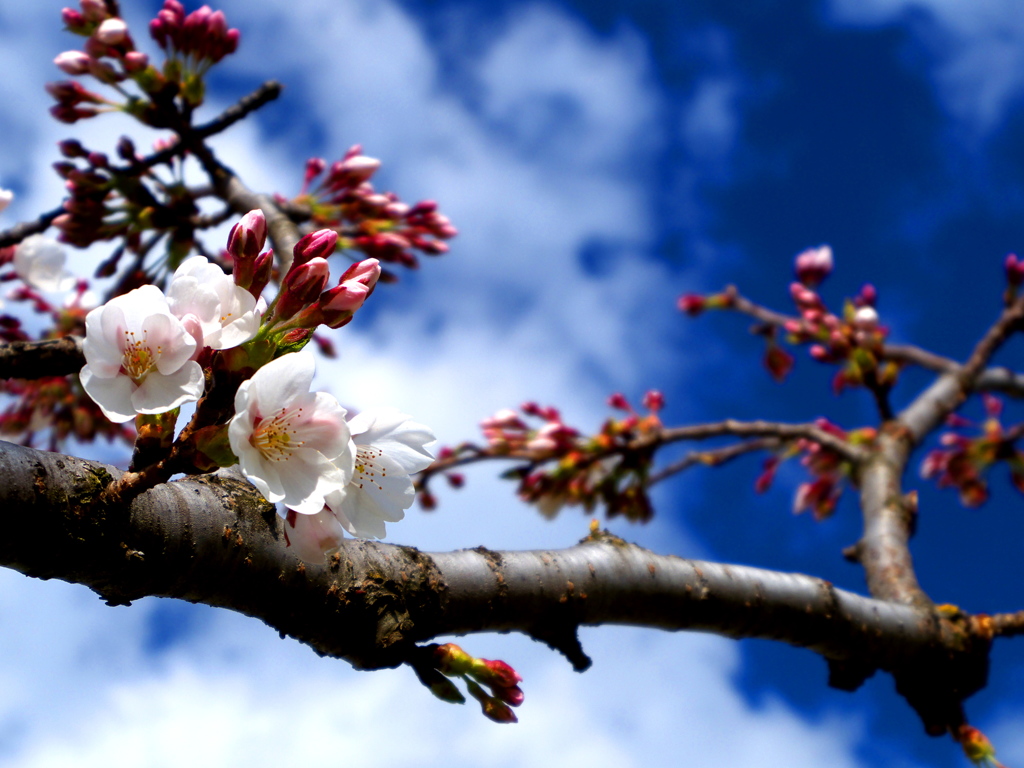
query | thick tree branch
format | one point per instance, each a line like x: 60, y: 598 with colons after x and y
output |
x: 39, y: 359
x: 214, y: 540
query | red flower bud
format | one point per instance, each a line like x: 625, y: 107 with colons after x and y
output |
x: 315, y: 245
x: 301, y: 287
x: 691, y: 303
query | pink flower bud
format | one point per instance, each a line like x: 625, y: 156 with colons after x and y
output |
x: 301, y: 287
x: 618, y: 401
x: 73, y: 62
x: 505, y: 418
x: 339, y: 303
x: 314, y: 167
x: 512, y: 695
x: 315, y: 245
x: 111, y: 31
x: 813, y: 265
x: 366, y: 272
x: 819, y: 353
x: 135, y: 61
x: 248, y: 236
x: 94, y: 10
x: 803, y: 295
x: 868, y: 296
x: 72, y: 19
x: 1014, y: 269
x: 496, y: 673
x: 691, y: 303
x: 654, y: 400
x: 358, y: 169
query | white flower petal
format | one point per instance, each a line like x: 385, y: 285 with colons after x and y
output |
x: 159, y: 393
x: 112, y: 395
x: 39, y: 261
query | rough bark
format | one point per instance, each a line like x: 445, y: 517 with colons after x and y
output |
x: 214, y: 540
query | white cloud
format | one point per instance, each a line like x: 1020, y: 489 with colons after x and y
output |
x: 976, y: 49
x: 547, y: 163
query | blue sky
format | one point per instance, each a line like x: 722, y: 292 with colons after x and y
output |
x: 599, y: 159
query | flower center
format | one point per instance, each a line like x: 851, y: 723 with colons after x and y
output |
x: 367, y: 468
x: 274, y: 438
x: 138, y: 358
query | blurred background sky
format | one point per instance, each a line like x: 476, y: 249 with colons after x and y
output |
x: 599, y: 159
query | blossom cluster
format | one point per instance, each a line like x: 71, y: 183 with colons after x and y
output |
x: 378, y: 224
x: 149, y: 351
x: 962, y: 461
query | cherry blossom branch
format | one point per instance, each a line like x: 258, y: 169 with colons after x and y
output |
x: 266, y: 93
x: 19, y: 232
x: 949, y: 390
x: 715, y: 457
x: 992, y: 379
x: 39, y: 359
x: 888, y: 512
x: 214, y: 540
x: 784, y: 432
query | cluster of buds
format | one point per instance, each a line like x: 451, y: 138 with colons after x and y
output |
x: 304, y: 301
x: 106, y: 202
x: 202, y: 36
x: 853, y: 341
x: 962, y: 461
x: 828, y: 470
x: 565, y: 468
x: 94, y: 209
x: 377, y: 224
x: 438, y: 663
x: 977, y: 747
x: 192, y: 43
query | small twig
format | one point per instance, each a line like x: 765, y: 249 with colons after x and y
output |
x: 760, y: 429
x: 714, y: 457
x: 19, y: 232
x: 267, y: 92
x: 1008, y: 624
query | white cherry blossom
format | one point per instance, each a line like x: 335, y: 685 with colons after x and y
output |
x: 206, y: 299
x: 389, y: 448
x: 39, y: 261
x: 6, y: 198
x: 292, y: 444
x: 138, y: 356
